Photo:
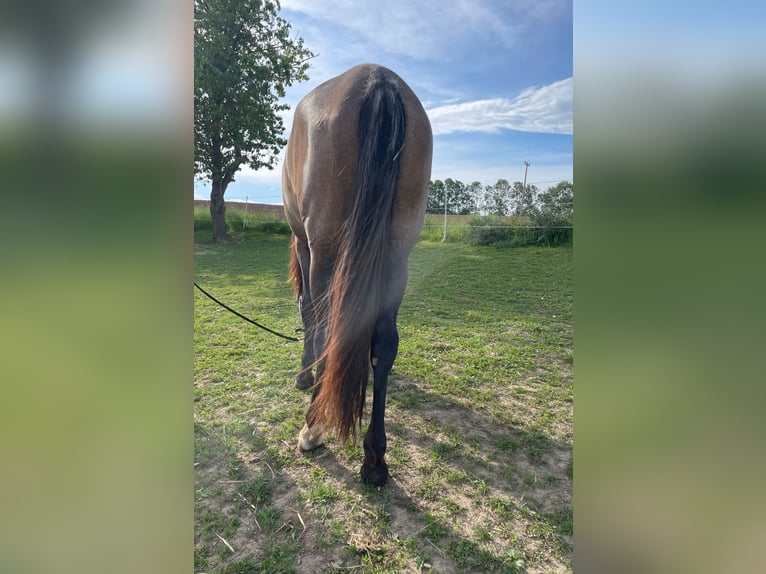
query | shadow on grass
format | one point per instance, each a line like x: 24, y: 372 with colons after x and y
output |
x: 235, y: 492
x: 426, y: 518
x: 519, y: 473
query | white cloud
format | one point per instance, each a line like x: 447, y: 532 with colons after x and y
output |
x: 262, y: 175
x: 543, y: 110
x: 421, y: 30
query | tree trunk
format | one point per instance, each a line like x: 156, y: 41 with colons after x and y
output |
x: 218, y: 210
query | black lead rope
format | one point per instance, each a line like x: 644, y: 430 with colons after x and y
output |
x: 241, y: 316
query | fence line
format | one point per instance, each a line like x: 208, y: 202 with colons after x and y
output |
x: 458, y: 226
x: 261, y: 217
x: 460, y: 230
x: 469, y: 226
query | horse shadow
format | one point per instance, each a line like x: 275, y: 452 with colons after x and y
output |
x: 484, y: 467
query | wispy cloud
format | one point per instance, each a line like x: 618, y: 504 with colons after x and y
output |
x: 423, y: 30
x: 543, y: 110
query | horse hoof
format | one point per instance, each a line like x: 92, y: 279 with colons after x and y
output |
x: 310, y: 438
x: 374, y: 475
x: 304, y: 382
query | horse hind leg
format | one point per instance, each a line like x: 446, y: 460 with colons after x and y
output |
x: 385, y: 345
x: 311, y: 437
x: 305, y: 380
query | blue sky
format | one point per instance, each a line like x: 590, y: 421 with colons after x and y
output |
x: 494, y: 76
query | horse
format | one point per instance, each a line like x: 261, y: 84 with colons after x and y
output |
x: 354, y: 186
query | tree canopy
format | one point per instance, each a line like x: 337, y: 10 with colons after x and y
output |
x: 501, y: 199
x: 244, y: 58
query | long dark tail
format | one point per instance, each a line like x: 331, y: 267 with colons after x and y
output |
x: 359, y: 280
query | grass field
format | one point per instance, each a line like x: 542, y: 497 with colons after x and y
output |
x: 479, y: 421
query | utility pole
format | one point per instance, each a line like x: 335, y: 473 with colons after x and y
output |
x: 522, y: 202
x: 526, y: 167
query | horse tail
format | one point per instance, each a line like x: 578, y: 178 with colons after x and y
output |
x: 357, y: 287
x: 295, y: 278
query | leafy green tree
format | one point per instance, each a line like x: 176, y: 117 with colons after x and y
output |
x: 244, y: 58
x: 476, y: 191
x: 435, y: 197
x: 497, y: 198
x: 524, y: 199
x: 554, y: 214
x: 558, y: 200
x: 460, y: 199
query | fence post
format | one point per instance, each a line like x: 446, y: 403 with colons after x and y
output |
x: 444, y: 237
x: 244, y: 215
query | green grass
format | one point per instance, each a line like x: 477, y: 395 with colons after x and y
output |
x: 257, y: 491
x: 479, y: 419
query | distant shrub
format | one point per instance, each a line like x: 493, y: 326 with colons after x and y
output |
x: 496, y: 231
x: 552, y: 229
x: 272, y: 226
x: 543, y: 228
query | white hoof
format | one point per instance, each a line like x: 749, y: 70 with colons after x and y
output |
x: 311, y: 438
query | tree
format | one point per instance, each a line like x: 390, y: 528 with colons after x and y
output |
x: 555, y: 213
x: 435, y: 197
x: 497, y: 198
x: 459, y: 198
x: 244, y: 58
x: 524, y: 199
x: 476, y: 191
x: 559, y: 200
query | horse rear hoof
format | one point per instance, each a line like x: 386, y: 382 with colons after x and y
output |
x: 304, y: 382
x: 374, y: 475
x: 310, y: 438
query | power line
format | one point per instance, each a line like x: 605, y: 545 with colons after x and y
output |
x: 549, y: 181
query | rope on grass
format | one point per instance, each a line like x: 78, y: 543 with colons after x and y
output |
x: 241, y: 316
